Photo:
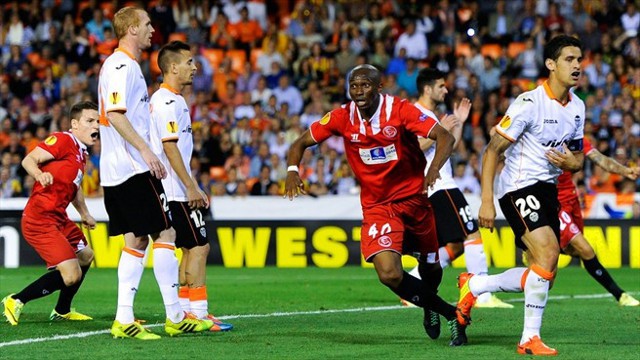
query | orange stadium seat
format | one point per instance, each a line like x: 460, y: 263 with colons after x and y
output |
x: 238, y: 59
x: 177, y: 36
x: 463, y: 49
x: 493, y: 50
x: 515, y: 48
x: 217, y: 173
x: 214, y: 56
x: 255, y: 53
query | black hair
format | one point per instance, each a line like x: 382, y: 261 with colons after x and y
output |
x: 554, y: 47
x: 165, y: 56
x: 428, y: 76
x: 76, y: 109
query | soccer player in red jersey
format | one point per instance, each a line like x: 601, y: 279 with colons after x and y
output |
x: 572, y: 241
x: 57, y: 165
x: 380, y: 133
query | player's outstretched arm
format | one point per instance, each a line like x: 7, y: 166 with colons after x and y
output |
x: 81, y: 206
x: 490, y: 159
x: 293, y: 184
x: 30, y: 163
x: 195, y: 196
x: 126, y: 130
x: 444, y: 147
x: 613, y: 166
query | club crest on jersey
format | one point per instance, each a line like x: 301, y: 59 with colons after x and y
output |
x: 384, y: 241
x: 423, y: 117
x: 390, y: 132
x: 325, y: 119
x: 51, y: 140
x: 505, y: 122
x: 172, y: 127
x: 115, y: 97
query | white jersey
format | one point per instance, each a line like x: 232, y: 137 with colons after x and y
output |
x: 535, y: 123
x: 170, y: 121
x: 446, y: 173
x: 121, y: 87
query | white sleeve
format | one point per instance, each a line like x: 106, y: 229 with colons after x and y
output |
x: 163, y: 115
x: 517, y: 118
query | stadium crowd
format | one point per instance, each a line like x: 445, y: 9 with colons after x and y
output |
x: 267, y: 69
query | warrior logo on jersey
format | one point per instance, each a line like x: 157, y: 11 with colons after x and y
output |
x: 51, y: 140
x: 172, y: 126
x: 390, y: 132
x: 115, y: 97
x: 505, y: 122
x: 325, y: 119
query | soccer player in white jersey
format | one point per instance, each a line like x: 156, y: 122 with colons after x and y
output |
x: 457, y: 229
x: 172, y: 140
x: 538, y: 126
x: 130, y: 174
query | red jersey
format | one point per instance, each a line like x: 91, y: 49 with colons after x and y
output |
x: 66, y: 168
x: 566, y: 187
x: 383, y: 152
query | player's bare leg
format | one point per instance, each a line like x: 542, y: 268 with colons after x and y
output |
x: 183, y: 293
x: 63, y: 310
x: 388, y: 265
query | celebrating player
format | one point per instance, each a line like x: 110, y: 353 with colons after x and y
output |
x: 456, y: 228
x: 380, y: 133
x: 546, y: 118
x: 130, y: 175
x: 572, y: 241
x: 57, y: 165
x: 171, y: 139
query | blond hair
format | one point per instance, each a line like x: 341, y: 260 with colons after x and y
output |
x: 125, y: 17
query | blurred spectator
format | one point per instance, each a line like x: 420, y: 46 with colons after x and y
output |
x: 407, y: 78
x: 246, y: 32
x: 415, y: 43
x: 97, y: 25
x: 286, y: 93
x: 465, y: 180
x: 264, y: 182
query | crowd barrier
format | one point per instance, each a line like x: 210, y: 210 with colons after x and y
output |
x: 323, y: 232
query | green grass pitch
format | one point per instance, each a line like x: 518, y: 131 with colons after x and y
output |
x: 314, y: 313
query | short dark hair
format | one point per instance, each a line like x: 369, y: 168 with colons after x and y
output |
x: 428, y: 76
x: 167, y: 52
x: 554, y: 47
x: 76, y: 109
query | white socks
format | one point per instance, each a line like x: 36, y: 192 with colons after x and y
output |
x: 508, y: 281
x: 165, y: 268
x: 130, y: 270
x: 536, y: 292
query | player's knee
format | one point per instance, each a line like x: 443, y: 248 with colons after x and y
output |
x: 390, y: 277
x: 200, y: 251
x: 71, y: 277
x: 85, y: 257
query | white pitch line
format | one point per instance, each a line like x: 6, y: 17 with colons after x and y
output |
x: 279, y: 314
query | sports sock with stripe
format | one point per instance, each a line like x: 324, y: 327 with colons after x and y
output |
x: 446, y: 256
x: 598, y: 272
x: 183, y: 298
x: 165, y: 268
x: 198, y: 301
x: 68, y: 292
x: 43, y: 286
x: 508, y: 281
x: 130, y: 270
x: 536, y: 293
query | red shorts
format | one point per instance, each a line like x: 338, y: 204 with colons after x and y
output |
x: 571, y: 222
x: 406, y: 226
x: 54, y: 242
